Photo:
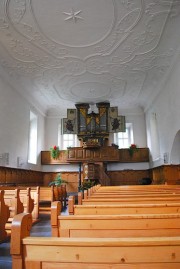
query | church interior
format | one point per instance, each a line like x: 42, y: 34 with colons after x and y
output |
x: 90, y: 134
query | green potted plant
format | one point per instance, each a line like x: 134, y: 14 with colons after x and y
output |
x: 58, y: 181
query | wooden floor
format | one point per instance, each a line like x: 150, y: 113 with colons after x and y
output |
x: 41, y: 228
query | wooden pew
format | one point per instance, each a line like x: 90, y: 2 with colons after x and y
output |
x: 98, y: 253
x: 29, y: 197
x: 134, y: 189
x: 61, y: 194
x: 137, y: 188
x: 135, y: 197
x: 137, y: 194
x: 125, y: 190
x: 164, y: 208
x: 13, y: 201
x: 46, y: 194
x: 27, y: 201
x: 113, y: 225
x: 53, y: 193
x: 129, y: 191
x: 35, y: 195
x: 142, y: 200
x: 19, y: 200
x: 4, y: 216
x: 113, y: 199
x: 119, y: 204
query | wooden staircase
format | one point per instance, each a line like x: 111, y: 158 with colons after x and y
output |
x: 104, y: 179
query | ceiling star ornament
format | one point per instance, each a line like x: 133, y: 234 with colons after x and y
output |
x: 73, y: 15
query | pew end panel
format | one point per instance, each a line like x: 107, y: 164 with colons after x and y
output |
x: 71, y: 203
x: 55, y: 211
x: 80, y: 197
x: 4, y: 216
x: 21, y: 226
x: 35, y: 195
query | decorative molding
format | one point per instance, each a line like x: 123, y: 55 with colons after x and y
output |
x: 124, y: 60
x: 73, y: 15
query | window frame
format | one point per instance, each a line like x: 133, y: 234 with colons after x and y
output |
x: 61, y: 139
x: 130, y: 137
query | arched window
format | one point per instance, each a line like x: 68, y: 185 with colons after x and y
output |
x: 32, y: 150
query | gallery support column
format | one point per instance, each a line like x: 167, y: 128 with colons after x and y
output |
x: 79, y: 177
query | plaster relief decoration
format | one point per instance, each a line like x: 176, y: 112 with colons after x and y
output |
x: 59, y: 52
x: 73, y: 15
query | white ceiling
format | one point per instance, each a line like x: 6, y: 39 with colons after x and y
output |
x: 61, y: 52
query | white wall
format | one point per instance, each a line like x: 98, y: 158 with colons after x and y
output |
x: 51, y: 132
x: 14, y: 127
x: 175, y: 152
x: 166, y: 106
x: 139, y: 127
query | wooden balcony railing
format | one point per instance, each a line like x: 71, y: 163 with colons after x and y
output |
x: 103, y: 154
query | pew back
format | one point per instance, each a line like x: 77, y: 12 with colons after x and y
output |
x: 113, y: 225
x: 54, y: 193
x: 126, y: 209
x: 144, y: 200
x: 138, y: 188
x: 13, y: 201
x: 122, y: 253
x: 27, y: 199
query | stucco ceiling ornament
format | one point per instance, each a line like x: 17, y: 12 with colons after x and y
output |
x: 73, y: 15
x: 112, y: 50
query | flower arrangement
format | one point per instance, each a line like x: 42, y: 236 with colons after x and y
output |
x: 54, y: 152
x: 133, y: 148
